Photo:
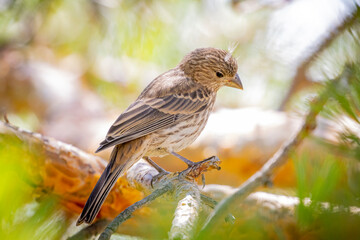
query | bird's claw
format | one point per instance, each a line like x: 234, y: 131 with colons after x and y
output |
x: 157, y: 177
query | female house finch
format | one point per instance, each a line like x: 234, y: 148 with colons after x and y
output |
x: 168, y: 115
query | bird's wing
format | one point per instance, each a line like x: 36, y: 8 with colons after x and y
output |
x: 147, y: 115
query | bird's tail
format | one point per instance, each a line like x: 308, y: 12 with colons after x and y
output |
x: 102, y: 187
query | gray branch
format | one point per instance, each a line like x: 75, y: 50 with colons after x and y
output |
x: 187, y: 211
x: 181, y: 185
x: 127, y: 213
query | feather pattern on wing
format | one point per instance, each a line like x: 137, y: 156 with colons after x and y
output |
x: 151, y: 113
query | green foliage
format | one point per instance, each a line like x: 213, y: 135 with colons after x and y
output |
x: 346, y: 95
x: 317, y: 179
x: 321, y: 178
x: 21, y: 217
x: 328, y: 177
x: 343, y: 108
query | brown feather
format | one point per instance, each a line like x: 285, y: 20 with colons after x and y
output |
x: 149, y: 114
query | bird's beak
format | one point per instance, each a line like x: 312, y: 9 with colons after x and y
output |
x: 235, y: 82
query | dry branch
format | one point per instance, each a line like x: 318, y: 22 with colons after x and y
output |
x: 274, y: 205
x: 301, y: 80
x: 67, y: 172
x: 90, y: 231
x: 126, y: 214
x: 82, y: 166
x: 182, y: 185
x: 187, y: 211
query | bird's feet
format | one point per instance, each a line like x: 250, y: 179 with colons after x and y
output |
x: 157, y: 177
x: 185, y: 160
x: 208, y: 163
x: 198, y: 168
x: 194, y: 170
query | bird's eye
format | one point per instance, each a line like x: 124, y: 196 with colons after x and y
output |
x: 219, y: 74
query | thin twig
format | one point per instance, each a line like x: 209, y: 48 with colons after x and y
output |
x: 263, y: 176
x: 208, y: 201
x: 126, y: 214
x: 212, y: 204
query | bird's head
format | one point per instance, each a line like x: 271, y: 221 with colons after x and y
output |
x: 212, y: 68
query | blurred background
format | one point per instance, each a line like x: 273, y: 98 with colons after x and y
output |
x: 69, y: 68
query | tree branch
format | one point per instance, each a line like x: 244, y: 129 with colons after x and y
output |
x: 182, y: 185
x: 80, y: 165
x: 126, y: 214
x: 274, y: 205
x: 89, y: 231
x: 187, y: 211
x: 68, y: 172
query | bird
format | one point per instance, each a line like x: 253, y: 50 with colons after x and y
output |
x: 168, y: 116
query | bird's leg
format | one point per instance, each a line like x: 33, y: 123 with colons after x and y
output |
x: 162, y: 172
x: 190, y: 164
x: 155, y: 165
x: 185, y: 160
